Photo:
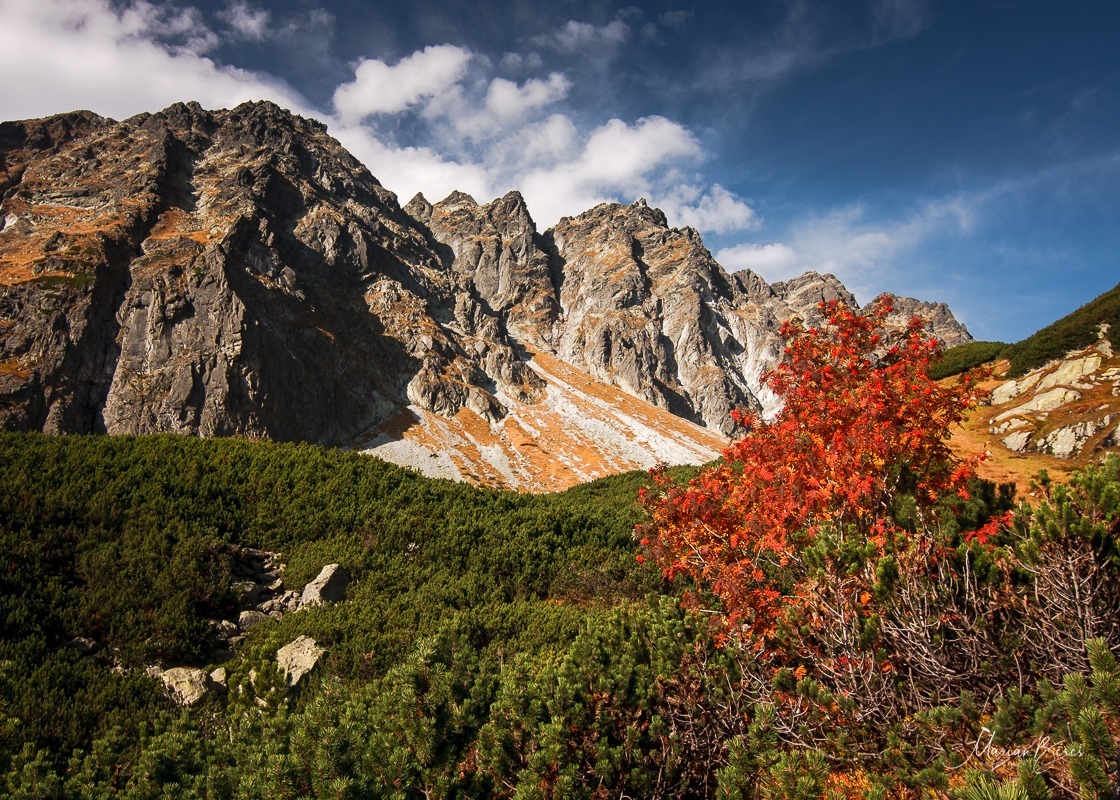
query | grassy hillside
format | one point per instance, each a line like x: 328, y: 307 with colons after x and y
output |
x: 503, y: 645
x: 1072, y: 332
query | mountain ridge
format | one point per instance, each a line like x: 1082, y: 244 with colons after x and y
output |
x: 239, y: 272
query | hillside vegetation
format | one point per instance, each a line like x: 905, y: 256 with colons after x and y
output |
x: 503, y: 645
x: 1072, y: 332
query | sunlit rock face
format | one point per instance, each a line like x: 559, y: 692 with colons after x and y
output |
x: 238, y: 272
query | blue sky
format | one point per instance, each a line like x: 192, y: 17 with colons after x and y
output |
x: 959, y: 151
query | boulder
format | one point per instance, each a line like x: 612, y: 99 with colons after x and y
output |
x: 299, y: 658
x: 328, y: 587
x: 187, y: 686
x: 225, y: 628
x: 247, y: 619
x: 1017, y: 441
x: 83, y: 644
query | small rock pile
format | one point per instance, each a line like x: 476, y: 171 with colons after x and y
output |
x: 263, y: 595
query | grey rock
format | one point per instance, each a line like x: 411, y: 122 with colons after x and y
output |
x: 220, y: 677
x: 247, y: 619
x: 298, y: 658
x: 187, y: 686
x: 1068, y: 441
x: 84, y: 645
x: 329, y: 586
x: 939, y: 320
x: 250, y: 592
x: 290, y: 600
x: 1017, y: 441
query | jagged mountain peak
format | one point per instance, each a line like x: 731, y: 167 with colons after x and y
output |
x: 458, y: 198
x: 239, y: 272
x: 938, y: 317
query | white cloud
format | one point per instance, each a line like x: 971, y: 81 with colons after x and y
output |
x: 617, y: 161
x: 408, y: 170
x: 245, y: 21
x: 865, y: 254
x: 774, y: 261
x: 714, y: 211
x: 843, y: 243
x: 619, y: 155
x: 180, y: 29
x: 552, y: 140
x: 575, y: 35
x: 88, y: 54
x: 505, y: 100
x: 475, y: 115
x: 378, y: 88
x: 516, y: 62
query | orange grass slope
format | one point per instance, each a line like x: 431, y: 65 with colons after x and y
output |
x: 1021, y: 429
x: 583, y: 429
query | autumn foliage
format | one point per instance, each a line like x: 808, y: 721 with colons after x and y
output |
x: 862, y: 425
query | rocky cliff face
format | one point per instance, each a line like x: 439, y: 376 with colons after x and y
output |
x: 224, y: 273
x: 646, y: 308
x: 238, y: 272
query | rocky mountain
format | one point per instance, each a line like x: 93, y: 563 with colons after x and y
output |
x: 238, y: 272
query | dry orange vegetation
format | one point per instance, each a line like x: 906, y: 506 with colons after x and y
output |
x: 586, y: 430
x: 1003, y: 465
x: 175, y: 223
x: 13, y: 367
x: 18, y: 268
x: 1000, y: 464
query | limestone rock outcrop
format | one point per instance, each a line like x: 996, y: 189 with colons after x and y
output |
x: 1065, y: 408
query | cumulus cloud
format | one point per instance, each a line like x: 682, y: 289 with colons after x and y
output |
x: 409, y: 170
x: 504, y: 103
x: 774, y: 261
x: 245, y: 21
x: 88, y: 54
x: 505, y: 100
x: 617, y: 160
x: 714, y: 211
x: 576, y: 35
x: 378, y: 88
x: 552, y: 140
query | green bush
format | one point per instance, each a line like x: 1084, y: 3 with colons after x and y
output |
x: 964, y: 357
